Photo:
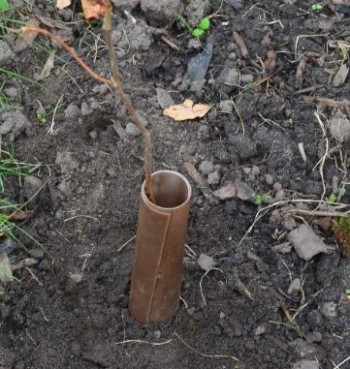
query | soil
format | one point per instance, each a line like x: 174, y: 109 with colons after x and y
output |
x: 71, y: 310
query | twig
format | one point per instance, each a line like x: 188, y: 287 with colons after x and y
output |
x: 117, y: 87
x: 114, y: 84
x: 146, y: 342
x: 324, y: 157
x: 201, y: 281
x: 126, y: 243
x: 196, y: 176
x: 342, y: 363
x: 215, y: 356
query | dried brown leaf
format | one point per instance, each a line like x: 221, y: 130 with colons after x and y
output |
x: 186, y: 111
x: 340, y: 76
x: 93, y: 9
x: 61, y: 4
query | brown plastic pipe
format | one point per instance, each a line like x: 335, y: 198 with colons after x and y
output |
x: 160, y: 243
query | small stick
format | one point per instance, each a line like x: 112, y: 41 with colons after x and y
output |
x: 126, y: 243
x: 215, y: 356
x: 146, y: 342
x: 196, y: 176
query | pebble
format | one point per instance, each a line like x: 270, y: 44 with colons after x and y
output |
x: 226, y: 106
x: 269, y: 179
x: 11, y: 92
x: 72, y: 111
x: 93, y: 135
x: 260, y: 329
x: 13, y: 121
x: 306, y: 242
x: 206, y: 167
x: 246, y: 78
x: 306, y: 350
x: 85, y: 109
x: 164, y: 98
x: 329, y: 309
x: 214, y: 178
x: 206, y: 262
x: 198, y: 65
x: 277, y: 186
x: 294, y: 287
x: 5, y: 52
x: 132, y: 130
x: 161, y: 13
x: 244, y: 192
x: 242, y: 145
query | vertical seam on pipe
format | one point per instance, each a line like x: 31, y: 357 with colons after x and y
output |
x: 158, y: 266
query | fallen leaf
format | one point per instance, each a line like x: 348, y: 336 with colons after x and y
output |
x: 186, y: 111
x: 50, y: 62
x: 340, y: 76
x: 5, y: 269
x: 270, y: 61
x: 238, y: 39
x: 30, y: 36
x: 93, y: 9
x: 61, y: 4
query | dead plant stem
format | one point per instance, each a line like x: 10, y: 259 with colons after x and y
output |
x: 114, y: 84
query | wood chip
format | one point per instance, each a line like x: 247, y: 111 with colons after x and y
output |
x: 238, y: 39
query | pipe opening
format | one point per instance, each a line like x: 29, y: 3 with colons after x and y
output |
x: 171, y: 189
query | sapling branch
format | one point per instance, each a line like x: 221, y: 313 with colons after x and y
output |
x: 113, y: 84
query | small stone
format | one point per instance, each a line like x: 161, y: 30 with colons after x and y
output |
x: 246, y: 78
x: 77, y: 278
x: 190, y: 311
x: 164, y: 98
x: 13, y: 121
x: 308, y: 351
x: 31, y: 186
x: 132, y: 130
x: 306, y: 242
x: 222, y: 315
x: 111, y: 171
x: 229, y: 77
x: 206, y: 167
x: 294, y: 287
x: 313, y: 337
x: 11, y: 92
x: 72, y: 111
x: 93, y: 135
x: 206, y: 262
x: 226, y: 106
x: 161, y: 13
x: 214, y: 178
x: 329, y: 309
x: 260, y: 329
x: 242, y: 145
x: 226, y: 192
x: 244, y: 192
x: 85, y: 109
x: 277, y: 186
x: 5, y: 52
x: 157, y: 334
x: 44, y: 265
x: 36, y: 253
x: 306, y: 364
x: 269, y: 179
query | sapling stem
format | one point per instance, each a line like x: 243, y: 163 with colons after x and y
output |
x: 114, y: 85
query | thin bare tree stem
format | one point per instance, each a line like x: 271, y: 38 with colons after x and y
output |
x: 69, y: 50
x: 107, y: 31
x: 114, y: 84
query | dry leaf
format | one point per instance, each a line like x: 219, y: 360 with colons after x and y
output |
x: 93, y: 9
x: 30, y: 36
x: 186, y: 111
x: 5, y: 269
x: 50, y: 63
x: 340, y: 76
x: 61, y: 4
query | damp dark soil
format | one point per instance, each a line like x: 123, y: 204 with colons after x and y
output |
x: 268, y: 130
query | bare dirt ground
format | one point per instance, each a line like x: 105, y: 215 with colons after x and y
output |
x: 278, y: 128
